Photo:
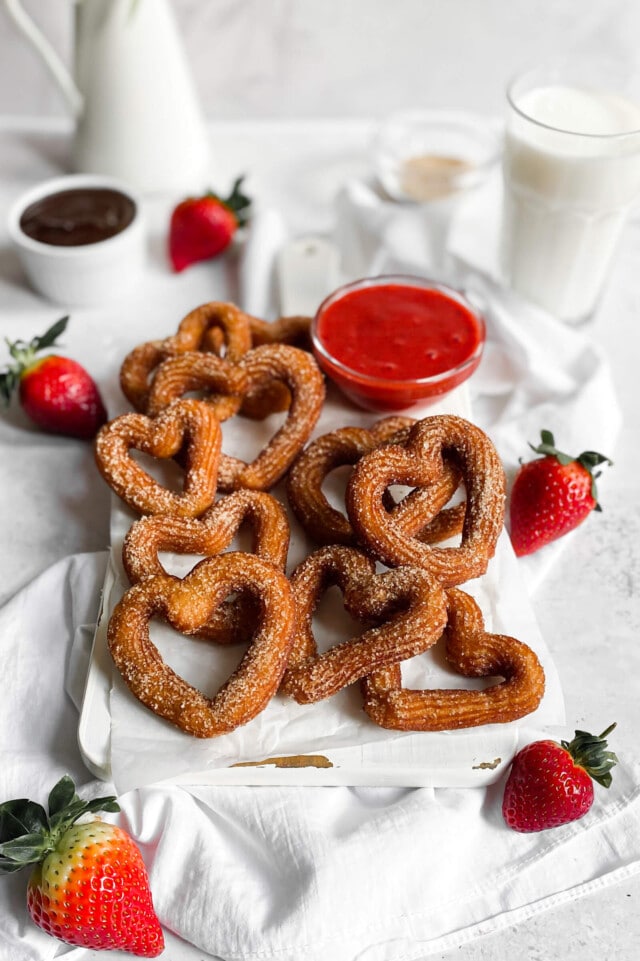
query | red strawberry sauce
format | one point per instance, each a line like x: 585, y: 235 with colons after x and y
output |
x: 374, y: 337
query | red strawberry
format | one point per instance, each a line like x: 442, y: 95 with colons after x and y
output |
x: 57, y: 393
x: 550, y: 784
x: 202, y: 227
x: 552, y: 495
x: 90, y: 885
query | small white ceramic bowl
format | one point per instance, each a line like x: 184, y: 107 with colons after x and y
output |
x: 89, y: 274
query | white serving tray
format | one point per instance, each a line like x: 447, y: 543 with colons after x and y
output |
x: 359, y: 756
x: 462, y: 759
x: 355, y: 752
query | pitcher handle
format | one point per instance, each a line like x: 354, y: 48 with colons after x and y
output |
x: 51, y: 59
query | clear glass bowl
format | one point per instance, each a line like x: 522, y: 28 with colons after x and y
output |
x: 379, y: 393
x: 426, y: 156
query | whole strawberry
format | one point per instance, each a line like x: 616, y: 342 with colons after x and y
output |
x: 89, y: 886
x: 550, y: 784
x: 552, y: 495
x: 55, y: 392
x: 202, y: 227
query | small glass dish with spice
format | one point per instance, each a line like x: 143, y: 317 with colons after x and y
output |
x: 425, y: 156
x: 428, y: 162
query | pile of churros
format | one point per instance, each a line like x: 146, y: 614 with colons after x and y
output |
x: 392, y: 559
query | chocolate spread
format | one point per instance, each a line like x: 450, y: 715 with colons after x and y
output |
x: 72, y: 218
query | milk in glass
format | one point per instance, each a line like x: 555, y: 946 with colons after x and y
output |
x: 571, y: 172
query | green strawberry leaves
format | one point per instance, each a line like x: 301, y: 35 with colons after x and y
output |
x: 589, y: 751
x: 61, y: 795
x: 47, y: 339
x: 28, y: 834
x: 19, y: 348
x: 9, y: 380
x: 22, y: 823
x: 588, y: 458
x: 20, y: 817
x: 24, y: 850
x: 237, y: 201
x: 65, y: 806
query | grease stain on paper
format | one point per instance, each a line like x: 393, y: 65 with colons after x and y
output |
x: 487, y: 765
x: 296, y: 760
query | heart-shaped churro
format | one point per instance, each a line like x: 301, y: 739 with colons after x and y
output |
x: 405, y: 607
x: 420, y: 513
x: 208, y: 535
x: 272, y: 397
x: 186, y: 427
x: 188, y: 604
x: 298, y: 371
x: 418, y: 463
x: 472, y: 652
x: 220, y: 328
x: 223, y: 385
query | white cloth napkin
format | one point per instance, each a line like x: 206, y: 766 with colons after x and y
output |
x: 537, y: 373
x: 253, y: 874
x: 38, y: 720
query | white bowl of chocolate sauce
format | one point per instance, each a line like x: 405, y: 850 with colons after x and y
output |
x: 80, y: 239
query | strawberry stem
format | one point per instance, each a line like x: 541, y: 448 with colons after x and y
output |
x: 589, y: 459
x: 589, y: 752
x: 24, y: 354
x: 237, y: 201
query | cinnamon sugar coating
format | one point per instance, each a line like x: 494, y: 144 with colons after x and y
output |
x: 299, y: 372
x: 222, y: 384
x: 338, y: 448
x: 221, y: 329
x: 272, y: 397
x: 186, y: 427
x: 472, y: 652
x: 421, y: 513
x: 209, y: 535
x: 406, y: 608
x: 418, y: 462
x: 217, y: 327
x: 187, y: 604
x: 240, y: 364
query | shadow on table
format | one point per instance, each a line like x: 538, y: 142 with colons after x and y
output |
x: 11, y: 272
x: 42, y: 154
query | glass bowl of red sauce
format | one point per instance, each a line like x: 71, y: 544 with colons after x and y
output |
x: 395, y: 342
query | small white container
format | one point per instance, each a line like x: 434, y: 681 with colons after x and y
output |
x: 90, y: 274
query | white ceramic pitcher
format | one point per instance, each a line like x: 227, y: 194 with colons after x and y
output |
x: 137, y: 116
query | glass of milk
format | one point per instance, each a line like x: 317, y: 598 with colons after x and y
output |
x: 571, y: 168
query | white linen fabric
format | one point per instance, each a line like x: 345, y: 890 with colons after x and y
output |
x: 272, y: 872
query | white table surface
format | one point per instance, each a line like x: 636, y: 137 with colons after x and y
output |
x: 54, y: 504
